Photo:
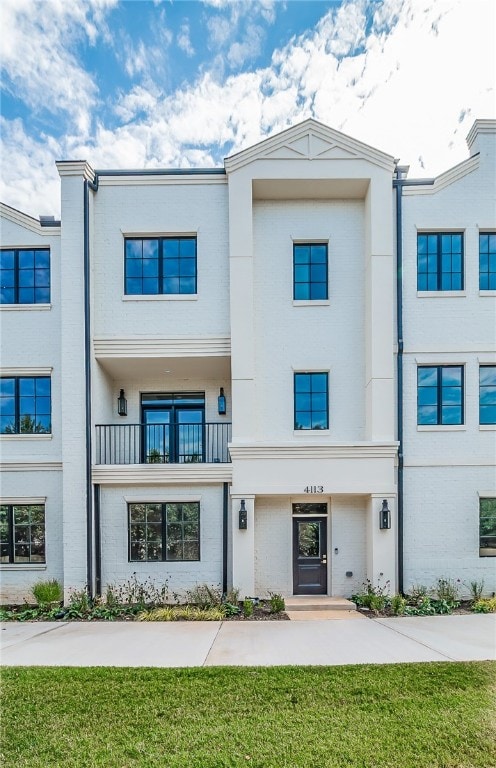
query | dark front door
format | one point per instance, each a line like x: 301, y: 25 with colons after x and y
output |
x: 310, y: 556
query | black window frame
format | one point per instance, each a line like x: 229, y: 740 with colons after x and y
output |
x: 17, y: 270
x: 487, y: 272
x: 310, y: 282
x: 311, y: 410
x: 440, y: 401
x: 16, y: 428
x: 161, y: 277
x: 487, y: 541
x: 483, y: 393
x: 439, y: 272
x: 9, y: 545
x: 164, y: 538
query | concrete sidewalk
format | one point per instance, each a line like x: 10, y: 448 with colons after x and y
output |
x: 196, y: 644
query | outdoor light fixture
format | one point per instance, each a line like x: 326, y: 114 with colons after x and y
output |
x: 121, y: 404
x: 221, y: 402
x: 384, y: 516
x: 243, y: 517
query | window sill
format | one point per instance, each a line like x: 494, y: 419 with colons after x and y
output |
x: 311, y: 303
x: 26, y: 307
x: 487, y: 293
x: 439, y: 294
x: 163, y: 297
x: 25, y: 436
x: 23, y: 567
x: 310, y: 432
x: 487, y: 427
x: 441, y: 428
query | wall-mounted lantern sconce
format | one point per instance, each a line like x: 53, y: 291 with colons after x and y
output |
x: 384, y: 516
x: 121, y: 404
x: 243, y: 517
x: 221, y: 402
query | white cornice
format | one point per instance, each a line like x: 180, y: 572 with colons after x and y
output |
x: 319, y: 137
x: 27, y: 222
x: 157, y: 180
x: 313, y: 451
x: 445, y: 179
x: 146, y: 346
x: 480, y: 126
x: 75, y: 168
x: 161, y: 474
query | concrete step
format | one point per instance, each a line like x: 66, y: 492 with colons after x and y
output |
x: 318, y: 603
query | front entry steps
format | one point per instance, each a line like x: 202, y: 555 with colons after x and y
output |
x: 320, y: 608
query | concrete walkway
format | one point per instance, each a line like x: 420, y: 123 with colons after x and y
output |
x: 196, y: 644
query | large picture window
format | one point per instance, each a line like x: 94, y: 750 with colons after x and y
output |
x: 161, y: 265
x: 25, y: 276
x: 164, y: 531
x: 22, y: 533
x: 25, y: 405
x: 440, y: 394
x: 440, y: 261
x: 310, y: 271
x: 311, y: 400
x: 487, y: 538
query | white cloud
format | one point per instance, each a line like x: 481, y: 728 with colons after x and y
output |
x: 37, y: 61
x: 412, y: 88
x: 184, y: 40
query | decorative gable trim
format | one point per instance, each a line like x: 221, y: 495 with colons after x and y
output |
x: 309, y: 140
x: 27, y: 222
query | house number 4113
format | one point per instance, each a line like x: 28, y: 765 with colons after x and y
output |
x: 314, y: 489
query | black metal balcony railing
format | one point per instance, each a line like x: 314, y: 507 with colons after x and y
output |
x: 162, y: 443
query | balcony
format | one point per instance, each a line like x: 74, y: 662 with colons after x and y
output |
x: 162, y: 443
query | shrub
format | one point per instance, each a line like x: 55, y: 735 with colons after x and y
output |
x: 231, y: 596
x: 230, y: 609
x: 398, y: 605
x: 424, y: 607
x: 141, y: 594
x: 485, y: 605
x: 374, y: 597
x: 46, y: 592
x: 277, y: 604
x: 447, y: 591
x: 417, y: 595
x: 247, y: 608
x: 182, y: 613
x: 204, y: 596
x: 476, y: 589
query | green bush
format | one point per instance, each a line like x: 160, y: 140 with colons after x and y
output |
x: 423, y: 607
x: 485, y: 605
x: 277, y: 604
x: 476, y: 589
x: 230, y: 609
x: 447, y: 590
x: 247, y: 608
x: 398, y: 605
x: 47, y: 592
x: 204, y: 596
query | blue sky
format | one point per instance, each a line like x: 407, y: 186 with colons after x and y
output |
x: 181, y: 83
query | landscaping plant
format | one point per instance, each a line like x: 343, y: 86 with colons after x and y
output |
x: 48, y: 592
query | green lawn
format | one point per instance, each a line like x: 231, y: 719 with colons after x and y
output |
x: 406, y: 715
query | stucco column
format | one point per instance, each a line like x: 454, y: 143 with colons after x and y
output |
x: 243, y: 547
x: 381, y: 544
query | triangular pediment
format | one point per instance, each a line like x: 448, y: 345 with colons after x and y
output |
x: 309, y: 140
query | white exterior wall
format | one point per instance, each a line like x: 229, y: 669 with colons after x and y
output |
x: 293, y: 337
x: 447, y: 467
x: 180, y: 576
x: 165, y: 208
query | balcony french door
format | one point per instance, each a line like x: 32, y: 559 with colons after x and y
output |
x: 173, y: 428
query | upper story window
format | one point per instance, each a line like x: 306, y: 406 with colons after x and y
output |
x: 487, y: 530
x: 25, y: 405
x: 160, y: 265
x: 311, y: 400
x: 22, y: 533
x: 440, y: 394
x: 310, y: 271
x: 487, y: 261
x: 25, y: 276
x: 487, y: 394
x: 440, y: 261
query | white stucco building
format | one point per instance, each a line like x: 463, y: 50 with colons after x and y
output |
x: 217, y: 375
